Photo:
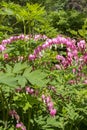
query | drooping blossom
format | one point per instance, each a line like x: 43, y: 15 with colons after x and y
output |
x: 2, y: 48
x: 6, y: 56
x: 49, y: 104
x: 53, y: 112
x: 81, y: 45
x: 31, y: 57
x: 20, y: 126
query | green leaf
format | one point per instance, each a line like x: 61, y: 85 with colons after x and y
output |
x: 9, y: 49
x: 19, y: 66
x: 8, y: 79
x: 8, y: 11
x: 27, y: 106
x: 6, y: 28
x: 27, y: 71
x: 53, y: 122
x: 37, y: 78
x: 21, y: 80
x: 8, y: 68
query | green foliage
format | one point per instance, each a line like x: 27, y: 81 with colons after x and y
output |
x: 36, y: 78
x: 67, y: 22
x: 32, y: 18
x: 83, y: 32
x: 20, y: 75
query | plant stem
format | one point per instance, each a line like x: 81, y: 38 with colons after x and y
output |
x: 24, y: 27
x: 29, y: 117
x: 3, y: 110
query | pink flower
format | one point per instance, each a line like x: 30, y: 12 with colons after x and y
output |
x: 46, y: 45
x: 61, y: 39
x: 44, y: 37
x: 12, y: 38
x: 74, y: 70
x: 19, y: 125
x: 31, y: 91
x: 8, y: 41
x: 5, y: 56
x: 58, y: 67
x: 18, y: 89
x: 17, y: 117
x: 72, y: 82
x: 20, y: 58
x: 50, y: 105
x: 53, y: 112
x: 59, y: 57
x: 37, y: 50
x: 43, y: 97
x: 85, y: 58
x: 21, y: 37
x: 37, y: 37
x: 12, y: 113
x: 2, y: 48
x: 54, y: 40
x: 85, y: 81
x: 49, y: 41
x: 31, y: 57
x: 48, y: 99
x: 27, y: 89
x: 23, y: 128
x: 81, y: 45
x: 75, y: 53
x: 4, y: 42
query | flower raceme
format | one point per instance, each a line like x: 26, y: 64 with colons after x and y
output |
x: 81, y: 45
x: 15, y: 115
x: 22, y: 37
x: 52, y: 112
x: 70, y: 44
x: 72, y: 51
x: 49, y: 104
x: 72, y: 48
x: 21, y: 126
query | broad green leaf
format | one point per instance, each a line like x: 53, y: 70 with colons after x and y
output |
x: 19, y: 66
x: 8, y: 68
x: 37, y: 78
x: 27, y: 71
x: 21, y: 80
x: 8, y: 79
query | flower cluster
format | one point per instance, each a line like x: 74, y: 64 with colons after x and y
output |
x: 39, y: 37
x: 15, y: 115
x: 20, y: 37
x: 72, y: 51
x: 28, y: 90
x: 31, y: 91
x: 49, y: 104
x: 21, y: 126
x: 52, y: 88
x: 70, y: 44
